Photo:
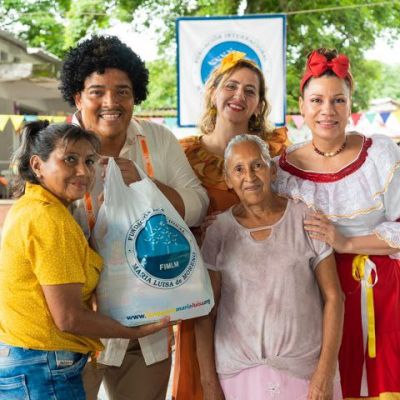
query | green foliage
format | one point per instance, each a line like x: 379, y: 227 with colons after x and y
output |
x: 54, y: 24
x: 37, y: 22
x: 162, y: 86
x: 388, y: 83
x: 84, y: 16
x: 366, y: 75
x: 351, y: 30
x: 58, y: 24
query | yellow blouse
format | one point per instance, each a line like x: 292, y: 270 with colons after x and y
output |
x: 42, y: 245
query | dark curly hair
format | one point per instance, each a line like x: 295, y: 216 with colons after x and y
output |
x: 95, y: 55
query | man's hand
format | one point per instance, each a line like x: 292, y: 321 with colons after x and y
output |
x: 127, y: 167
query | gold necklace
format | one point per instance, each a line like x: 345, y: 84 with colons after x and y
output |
x: 329, y: 153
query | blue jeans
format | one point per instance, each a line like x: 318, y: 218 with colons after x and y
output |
x: 40, y: 375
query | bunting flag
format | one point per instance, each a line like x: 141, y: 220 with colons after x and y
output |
x: 288, y: 119
x: 3, y: 122
x: 45, y: 117
x: 171, y: 122
x: 385, y: 115
x: 397, y: 115
x: 59, y: 119
x: 355, y: 117
x: 17, y: 121
x: 370, y: 116
x: 298, y: 121
x: 30, y: 118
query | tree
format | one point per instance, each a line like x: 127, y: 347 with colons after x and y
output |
x: 54, y: 25
x: 162, y: 86
x: 39, y: 23
x: 310, y: 23
x: 83, y: 17
x: 388, y: 73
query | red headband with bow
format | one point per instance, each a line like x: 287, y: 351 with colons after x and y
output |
x: 317, y: 64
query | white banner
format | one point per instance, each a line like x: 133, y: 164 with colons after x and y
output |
x: 203, y: 42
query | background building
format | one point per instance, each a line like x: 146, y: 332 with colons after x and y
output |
x: 28, y: 86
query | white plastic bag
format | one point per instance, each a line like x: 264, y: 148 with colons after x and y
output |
x: 152, y: 264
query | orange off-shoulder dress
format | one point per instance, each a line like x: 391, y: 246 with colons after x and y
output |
x: 209, y: 169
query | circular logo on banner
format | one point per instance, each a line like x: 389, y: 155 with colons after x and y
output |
x: 214, y: 56
x: 159, y: 251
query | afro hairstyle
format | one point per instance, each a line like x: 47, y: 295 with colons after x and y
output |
x: 96, y: 55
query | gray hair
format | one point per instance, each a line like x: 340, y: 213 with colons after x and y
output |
x: 243, y: 138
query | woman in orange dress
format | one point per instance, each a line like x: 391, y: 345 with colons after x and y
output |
x: 235, y: 103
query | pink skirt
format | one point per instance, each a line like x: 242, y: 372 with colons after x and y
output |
x: 263, y: 382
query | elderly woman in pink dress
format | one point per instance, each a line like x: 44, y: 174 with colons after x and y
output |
x: 279, y: 308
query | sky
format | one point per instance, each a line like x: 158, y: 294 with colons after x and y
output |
x: 144, y: 44
x: 384, y: 52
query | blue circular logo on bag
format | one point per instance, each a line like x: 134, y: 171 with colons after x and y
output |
x: 159, y: 251
x: 214, y: 56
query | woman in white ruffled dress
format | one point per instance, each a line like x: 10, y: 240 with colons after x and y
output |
x: 353, y: 185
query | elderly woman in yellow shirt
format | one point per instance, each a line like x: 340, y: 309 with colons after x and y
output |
x: 48, y: 272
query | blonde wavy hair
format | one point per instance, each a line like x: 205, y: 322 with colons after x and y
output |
x: 258, y: 124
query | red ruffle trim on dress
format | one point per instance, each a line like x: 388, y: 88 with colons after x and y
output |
x: 327, y: 177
